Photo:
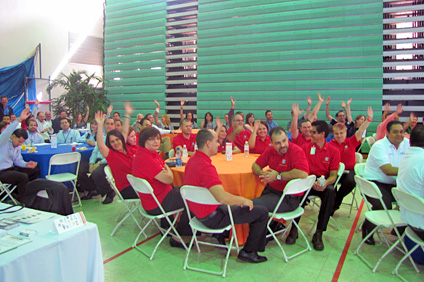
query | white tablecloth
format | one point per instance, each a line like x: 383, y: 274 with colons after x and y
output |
x: 72, y: 256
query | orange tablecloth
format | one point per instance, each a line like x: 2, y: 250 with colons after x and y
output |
x: 236, y: 177
x: 172, y: 136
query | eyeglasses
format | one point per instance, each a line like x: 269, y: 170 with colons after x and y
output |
x: 238, y: 120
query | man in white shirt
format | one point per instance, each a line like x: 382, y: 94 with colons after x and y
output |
x: 411, y: 178
x: 48, y: 121
x: 42, y: 125
x: 67, y: 135
x: 382, y: 168
x: 33, y: 136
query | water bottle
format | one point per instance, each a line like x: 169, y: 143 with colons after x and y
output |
x: 246, y: 149
x: 178, y: 162
x: 185, y: 154
x: 321, y: 181
x: 53, y: 141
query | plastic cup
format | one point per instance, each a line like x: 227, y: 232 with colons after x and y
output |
x: 23, y: 147
x: 73, y: 148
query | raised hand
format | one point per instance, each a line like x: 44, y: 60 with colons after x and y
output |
x: 218, y: 122
x: 343, y: 104
x: 182, y: 103
x: 320, y: 98
x: 256, y: 125
x: 295, y: 109
x: 399, y: 109
x: 387, y: 107
x: 109, y: 109
x: 349, y: 101
x: 309, y: 100
x: 100, y: 117
x: 24, y: 114
x: 233, y: 102
x: 157, y: 104
x: 128, y: 109
x: 370, y: 113
x: 328, y: 100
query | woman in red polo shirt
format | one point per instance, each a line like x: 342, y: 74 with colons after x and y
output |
x: 150, y: 166
x: 132, y: 145
x: 259, y: 140
x: 222, y: 139
x: 119, y: 159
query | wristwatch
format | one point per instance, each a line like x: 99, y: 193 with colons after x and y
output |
x: 278, y: 176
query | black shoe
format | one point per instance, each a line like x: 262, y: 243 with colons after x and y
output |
x: 317, y: 241
x: 175, y: 244
x: 293, y: 235
x: 252, y: 257
x: 109, y: 198
x: 90, y: 195
x: 370, y: 240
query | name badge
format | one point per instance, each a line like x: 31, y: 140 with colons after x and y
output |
x: 326, y: 159
x: 313, y: 150
x: 284, y: 161
x: 346, y: 147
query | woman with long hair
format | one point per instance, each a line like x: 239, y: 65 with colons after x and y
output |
x: 90, y: 137
x: 250, y: 121
x: 119, y: 159
x: 259, y: 141
x: 208, y: 123
x: 189, y: 116
x: 165, y: 123
x: 222, y: 139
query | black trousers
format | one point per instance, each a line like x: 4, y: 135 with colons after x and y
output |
x: 173, y: 201
x: 388, y: 199
x: 348, y: 183
x: 257, y: 219
x: 128, y: 193
x: 327, y: 202
x: 98, y: 176
x: 418, y: 231
x: 19, y: 176
x: 270, y: 197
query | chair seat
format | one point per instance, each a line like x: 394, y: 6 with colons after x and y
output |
x: 414, y: 237
x: 198, y: 225
x: 379, y: 217
x: 288, y: 215
x: 149, y: 216
x: 62, y: 177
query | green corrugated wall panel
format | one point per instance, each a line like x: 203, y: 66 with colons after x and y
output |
x: 133, y: 20
x: 137, y: 81
x: 137, y: 57
x: 136, y: 89
x: 136, y: 65
x: 133, y: 73
x: 136, y: 97
x: 135, y: 41
x: 143, y: 8
x: 290, y: 55
x: 135, y: 49
x: 261, y: 6
x: 287, y: 45
x: 123, y: 33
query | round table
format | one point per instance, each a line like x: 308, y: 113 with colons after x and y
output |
x: 236, y: 177
x: 45, y: 152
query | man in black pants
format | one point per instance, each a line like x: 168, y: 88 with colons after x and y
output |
x: 200, y: 172
x: 13, y: 169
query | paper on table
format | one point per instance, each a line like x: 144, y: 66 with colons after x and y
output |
x: 31, y: 216
x: 9, y: 242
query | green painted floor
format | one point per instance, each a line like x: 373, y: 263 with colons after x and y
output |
x: 167, y: 264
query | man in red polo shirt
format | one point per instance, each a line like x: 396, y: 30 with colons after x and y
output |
x: 185, y: 138
x: 347, y: 148
x: 237, y: 133
x: 200, y: 172
x: 286, y: 161
x: 323, y: 160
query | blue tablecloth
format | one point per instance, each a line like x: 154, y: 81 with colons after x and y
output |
x: 45, y: 152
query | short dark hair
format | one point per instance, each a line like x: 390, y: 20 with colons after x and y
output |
x: 3, y: 124
x: 3, y: 97
x: 303, y: 121
x: 146, y: 134
x: 117, y: 113
x: 20, y: 132
x: 39, y: 113
x: 390, y: 124
x: 337, y: 114
x: 267, y: 111
x: 264, y: 123
x: 118, y: 121
x: 203, y: 136
x: 143, y: 120
x: 276, y: 131
x: 66, y: 119
x: 6, y: 116
x: 321, y: 126
x: 119, y: 135
x: 417, y: 136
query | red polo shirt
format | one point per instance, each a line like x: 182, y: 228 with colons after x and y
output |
x: 199, y: 171
x: 321, y: 161
x: 300, y: 140
x: 147, y: 165
x: 180, y: 140
x: 347, y: 151
x: 294, y: 159
x: 241, y: 138
x: 221, y: 147
x: 261, y: 146
x: 132, y: 149
x: 120, y: 164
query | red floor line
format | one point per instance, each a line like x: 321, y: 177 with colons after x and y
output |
x: 347, y: 245
x: 129, y: 249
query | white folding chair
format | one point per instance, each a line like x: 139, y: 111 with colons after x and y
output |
x: 295, y: 186
x: 313, y: 199
x: 130, y: 205
x: 6, y: 191
x: 358, y: 160
x: 413, y: 204
x: 66, y: 159
x: 143, y: 187
x: 380, y: 218
x: 200, y: 195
